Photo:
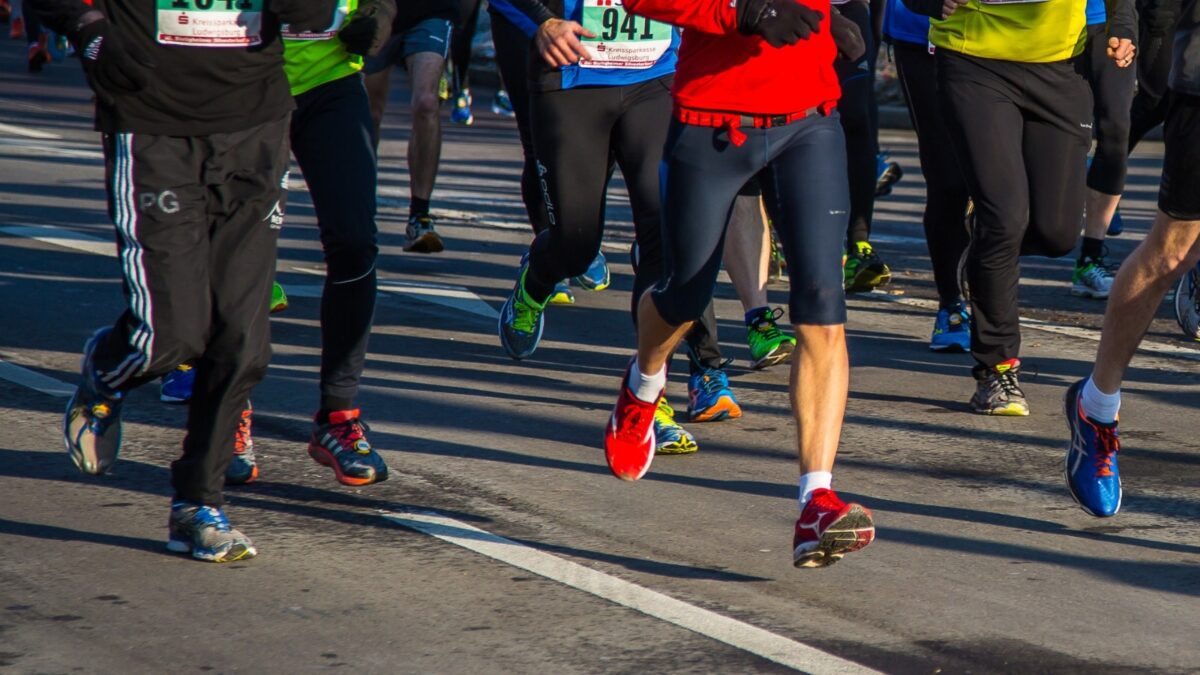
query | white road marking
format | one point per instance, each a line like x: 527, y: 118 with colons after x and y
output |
x: 13, y: 130
x: 50, y: 148
x: 456, y: 297
x: 36, y: 381
x: 738, y: 634
x: 65, y: 238
x: 1149, y: 346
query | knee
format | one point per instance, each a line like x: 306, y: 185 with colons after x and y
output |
x: 678, y: 305
x: 425, y: 106
x: 812, y: 336
x: 350, y: 257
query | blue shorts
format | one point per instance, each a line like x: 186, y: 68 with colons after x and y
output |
x: 430, y: 35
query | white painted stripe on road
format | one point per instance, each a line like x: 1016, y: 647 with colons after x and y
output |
x: 456, y: 297
x: 732, y: 632
x: 13, y: 130
x: 1149, y: 346
x: 36, y: 381
x: 58, y: 236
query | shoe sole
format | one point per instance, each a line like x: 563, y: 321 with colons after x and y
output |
x: 681, y: 447
x: 847, y: 534
x: 238, y: 481
x: 1088, y: 293
x: 781, y: 354
x: 234, y: 554
x: 948, y: 349
x: 561, y: 299
x: 867, y: 283
x: 429, y: 242
x: 323, y: 457
x: 275, y: 309
x: 1010, y: 410
x: 722, y: 410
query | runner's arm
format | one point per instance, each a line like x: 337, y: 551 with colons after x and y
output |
x: 1122, y: 19
x: 515, y: 16
x: 533, y: 10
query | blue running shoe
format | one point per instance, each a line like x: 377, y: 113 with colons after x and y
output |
x: 887, y: 174
x: 1090, y: 466
x: 597, y: 276
x: 562, y: 294
x: 242, y: 468
x: 461, y: 112
x: 177, y: 385
x: 1116, y: 226
x: 710, y: 398
x: 92, y: 425
x: 521, y: 321
x: 204, y: 531
x: 669, y: 437
x: 951, y: 330
x: 502, y: 104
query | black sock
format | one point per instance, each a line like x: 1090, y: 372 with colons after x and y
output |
x: 418, y: 207
x: 1091, y: 248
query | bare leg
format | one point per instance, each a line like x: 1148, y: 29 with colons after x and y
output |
x: 1100, y: 211
x: 748, y: 251
x: 1171, y: 248
x: 657, y: 339
x: 377, y: 95
x: 820, y: 383
x: 425, y: 144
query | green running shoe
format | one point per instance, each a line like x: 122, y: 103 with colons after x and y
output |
x: 669, y: 437
x: 279, y: 301
x: 768, y: 344
x: 863, y: 269
x: 521, y: 321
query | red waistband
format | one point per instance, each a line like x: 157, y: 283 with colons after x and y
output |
x: 732, y: 122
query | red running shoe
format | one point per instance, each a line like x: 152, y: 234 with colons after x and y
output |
x: 828, y: 529
x: 629, y: 438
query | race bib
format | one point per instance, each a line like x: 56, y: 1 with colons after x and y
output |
x: 210, y: 23
x: 622, y: 39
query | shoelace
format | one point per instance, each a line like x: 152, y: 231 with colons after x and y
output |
x: 525, y: 315
x: 1007, y: 381
x: 631, y: 418
x: 765, y: 326
x: 348, y: 433
x: 1109, y: 445
x: 713, y: 381
x: 209, y: 515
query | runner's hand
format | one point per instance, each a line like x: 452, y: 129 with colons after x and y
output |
x: 847, y: 37
x: 110, y: 66
x: 558, y: 42
x: 1121, y: 51
x: 779, y: 22
x: 948, y: 7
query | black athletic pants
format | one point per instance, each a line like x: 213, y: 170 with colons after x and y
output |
x: 860, y: 120
x: 197, y: 222
x: 946, y: 194
x: 512, y: 58
x: 1157, y: 20
x: 460, y: 44
x: 1021, y: 133
x: 1112, y: 93
x: 331, y: 138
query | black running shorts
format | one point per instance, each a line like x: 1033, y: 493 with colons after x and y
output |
x: 1179, y: 192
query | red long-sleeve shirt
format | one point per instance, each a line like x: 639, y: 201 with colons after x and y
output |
x: 723, y: 70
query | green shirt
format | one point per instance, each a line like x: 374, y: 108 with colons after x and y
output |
x: 1027, y: 32
x: 313, y: 59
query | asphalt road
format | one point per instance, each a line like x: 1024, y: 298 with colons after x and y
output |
x: 501, y: 543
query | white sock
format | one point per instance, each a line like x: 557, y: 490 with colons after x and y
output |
x: 811, y: 482
x: 647, y: 387
x: 1098, y: 405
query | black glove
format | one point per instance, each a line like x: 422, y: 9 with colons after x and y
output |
x: 370, y: 28
x: 779, y: 22
x: 110, y: 66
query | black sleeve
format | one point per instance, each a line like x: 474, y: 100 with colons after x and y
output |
x: 535, y: 10
x: 929, y: 8
x: 1122, y: 19
x: 304, y: 15
x: 61, y: 16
